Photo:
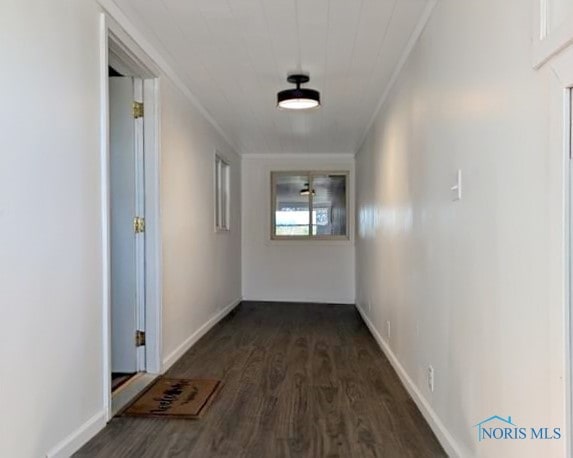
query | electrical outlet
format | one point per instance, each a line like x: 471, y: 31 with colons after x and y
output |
x: 388, y: 329
x: 431, y: 378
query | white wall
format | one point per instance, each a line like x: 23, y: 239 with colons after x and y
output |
x: 202, y: 268
x: 51, y: 288
x: 471, y: 287
x: 50, y: 254
x: 299, y: 271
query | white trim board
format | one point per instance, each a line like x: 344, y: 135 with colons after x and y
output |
x: 172, y: 358
x: 153, y: 237
x: 318, y: 302
x: 444, y: 437
x: 567, y: 261
x: 562, y: 67
x: 105, y: 220
x: 73, y: 442
x: 112, y: 35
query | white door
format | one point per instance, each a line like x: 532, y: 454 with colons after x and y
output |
x: 127, y: 245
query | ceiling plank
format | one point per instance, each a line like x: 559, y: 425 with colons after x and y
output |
x: 234, y: 55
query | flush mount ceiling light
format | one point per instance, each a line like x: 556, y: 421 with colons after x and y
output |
x: 306, y: 190
x: 298, y: 98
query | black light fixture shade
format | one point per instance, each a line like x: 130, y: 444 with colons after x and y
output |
x: 306, y: 190
x: 298, y: 98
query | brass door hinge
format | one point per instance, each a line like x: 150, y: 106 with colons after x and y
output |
x: 138, y: 225
x: 139, y: 338
x: 138, y: 110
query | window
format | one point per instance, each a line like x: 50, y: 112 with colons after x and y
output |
x: 309, y: 205
x: 222, y: 194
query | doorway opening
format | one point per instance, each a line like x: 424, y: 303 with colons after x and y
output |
x: 130, y: 176
x: 127, y: 226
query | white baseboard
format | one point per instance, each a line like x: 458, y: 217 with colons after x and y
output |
x: 444, y: 437
x: 79, y: 437
x: 71, y: 444
x: 302, y: 301
x: 172, y: 358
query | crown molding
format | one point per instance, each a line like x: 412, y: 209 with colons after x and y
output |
x: 111, y: 9
x: 414, y: 37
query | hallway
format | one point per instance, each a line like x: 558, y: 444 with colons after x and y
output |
x: 357, y: 214
x: 300, y: 380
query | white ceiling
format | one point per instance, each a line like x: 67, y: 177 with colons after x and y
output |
x: 234, y: 56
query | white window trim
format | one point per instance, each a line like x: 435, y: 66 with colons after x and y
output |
x: 222, y: 194
x: 310, y: 238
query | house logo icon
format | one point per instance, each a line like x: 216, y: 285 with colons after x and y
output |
x: 496, y: 427
x: 500, y: 428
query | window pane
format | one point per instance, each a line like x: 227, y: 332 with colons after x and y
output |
x: 329, y: 205
x: 291, y: 205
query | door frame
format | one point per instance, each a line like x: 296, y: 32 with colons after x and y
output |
x: 117, y: 46
x: 568, y: 260
x: 562, y: 66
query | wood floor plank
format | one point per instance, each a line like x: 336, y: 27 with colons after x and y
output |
x: 299, y: 381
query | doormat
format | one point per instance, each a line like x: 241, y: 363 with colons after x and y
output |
x: 174, y: 398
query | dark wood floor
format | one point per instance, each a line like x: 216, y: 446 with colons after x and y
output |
x: 300, y: 380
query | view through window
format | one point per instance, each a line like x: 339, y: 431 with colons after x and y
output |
x: 309, y: 205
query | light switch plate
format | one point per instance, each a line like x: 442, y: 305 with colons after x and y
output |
x: 457, y: 188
